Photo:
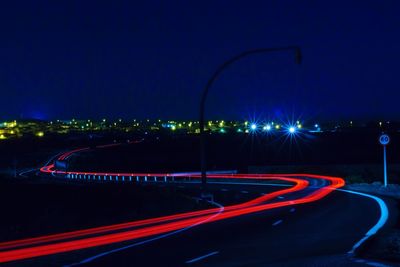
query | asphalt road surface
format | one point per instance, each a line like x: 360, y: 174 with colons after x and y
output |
x: 303, y: 220
x: 312, y: 234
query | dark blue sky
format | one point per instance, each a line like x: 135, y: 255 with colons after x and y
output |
x: 139, y: 59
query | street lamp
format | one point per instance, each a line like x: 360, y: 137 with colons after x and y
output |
x: 210, y: 82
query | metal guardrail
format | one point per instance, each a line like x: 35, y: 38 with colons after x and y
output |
x: 173, y: 177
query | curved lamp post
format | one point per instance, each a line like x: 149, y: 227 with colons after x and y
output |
x: 210, y: 82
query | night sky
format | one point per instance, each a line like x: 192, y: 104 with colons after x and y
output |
x: 150, y: 59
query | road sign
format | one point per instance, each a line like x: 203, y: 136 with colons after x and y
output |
x: 384, y: 139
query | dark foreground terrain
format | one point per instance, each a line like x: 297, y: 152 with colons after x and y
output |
x: 45, y: 206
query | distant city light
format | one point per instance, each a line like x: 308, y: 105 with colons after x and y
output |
x: 10, y: 124
x: 11, y: 130
x: 267, y: 127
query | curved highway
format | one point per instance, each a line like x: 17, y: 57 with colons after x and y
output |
x: 303, y: 221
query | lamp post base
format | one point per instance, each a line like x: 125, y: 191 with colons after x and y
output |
x: 207, y: 196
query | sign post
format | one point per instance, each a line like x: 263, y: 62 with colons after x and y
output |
x: 384, y: 139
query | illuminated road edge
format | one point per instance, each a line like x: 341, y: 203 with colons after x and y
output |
x: 384, y: 211
x: 110, y: 234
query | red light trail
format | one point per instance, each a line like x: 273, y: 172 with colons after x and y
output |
x: 129, y: 231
